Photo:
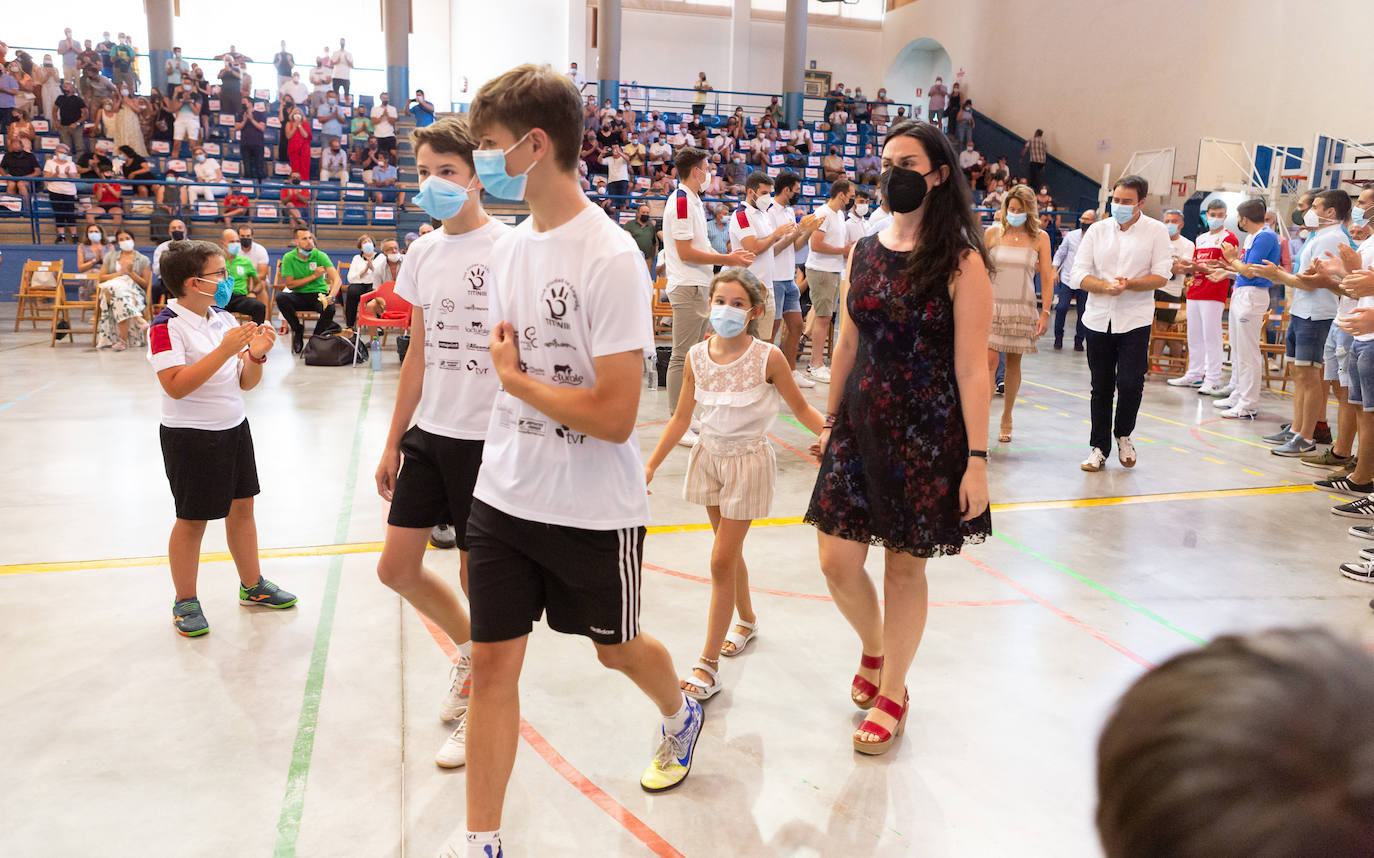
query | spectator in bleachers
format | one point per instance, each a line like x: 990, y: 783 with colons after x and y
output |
x: 236, y: 204
x: 385, y: 179
x: 617, y: 173
x: 832, y: 165
x: 834, y: 100
x: 297, y: 91
x: 285, y: 63
x: 768, y: 128
x: 364, y: 275
x: 49, y: 86
x: 94, y: 89
x: 645, y: 233
x: 722, y: 144
x: 89, y: 253
x: 177, y: 70
x: 71, y: 119
x: 702, y: 86
x: 187, y: 105
x: 89, y: 59
x: 420, y: 108
x: 963, y: 123
x: 998, y: 171
x: 359, y: 131
x: 576, y: 77
x: 21, y: 129
x: 125, y: 275
x: 309, y: 281
x: 321, y: 82
x: 968, y: 158
x: 230, y: 87
x: 107, y: 198
x: 799, y: 142
x: 660, y: 156
x: 590, y: 153
x: 207, y: 170
x: 1037, y: 155
x: 253, y: 250
x: 60, y: 170
x: 697, y: 130
x: 607, y: 135
x: 591, y: 117
x: 70, y: 50
x: 334, y: 163
x: 634, y: 153
x: 295, y: 201
x: 248, y: 288
x: 18, y: 162
x: 861, y: 111
x: 333, y: 119
x: 252, y: 130
x: 137, y: 167
x: 994, y: 198
x: 878, y: 108
x: 341, y: 66
x: 736, y: 173
x: 774, y: 111
x: 122, y: 62
x: 628, y: 118
x: 364, y: 155
x: 869, y: 167
x: 759, y: 149
x: 298, y: 136
x: 953, y: 102
x: 384, y: 124
x: 121, y: 123
x: 714, y: 186
x: 718, y: 229
x: 176, y: 229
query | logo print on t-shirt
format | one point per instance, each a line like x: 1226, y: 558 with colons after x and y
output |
x: 475, y: 367
x: 567, y: 434
x: 447, y: 305
x: 559, y: 299
x: 476, y: 278
x: 563, y: 374
x: 530, y: 338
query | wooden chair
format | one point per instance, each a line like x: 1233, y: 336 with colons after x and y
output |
x: 1174, y: 334
x: 64, y: 308
x: 1278, y: 351
x: 662, y: 309
x: 304, y: 315
x: 39, y: 285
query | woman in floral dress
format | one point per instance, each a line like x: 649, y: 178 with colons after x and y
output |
x: 124, y: 277
x: 908, y: 400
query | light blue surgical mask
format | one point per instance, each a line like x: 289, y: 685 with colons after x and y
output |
x: 233, y: 248
x: 1172, y: 229
x: 368, y: 248
x: 1215, y: 222
x: 440, y: 198
x: 1016, y: 218
x: 1359, y: 217
x: 491, y: 170
x: 224, y: 290
x: 1122, y: 213
x: 728, y: 321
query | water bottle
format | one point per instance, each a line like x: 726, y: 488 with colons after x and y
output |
x: 376, y: 353
x: 651, y: 370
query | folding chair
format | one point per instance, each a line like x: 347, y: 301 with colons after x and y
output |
x: 661, y: 309
x: 39, y: 285
x: 62, y: 313
x: 1277, y: 351
x: 1173, y: 334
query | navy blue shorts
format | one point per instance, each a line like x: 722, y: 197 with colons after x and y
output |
x: 1361, y: 391
x: 1306, y: 343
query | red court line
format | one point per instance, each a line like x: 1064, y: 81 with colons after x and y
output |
x: 647, y: 425
x: 806, y: 456
x: 1063, y: 614
x: 614, y: 809
x: 814, y: 597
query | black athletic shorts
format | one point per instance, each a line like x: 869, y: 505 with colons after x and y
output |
x: 586, y: 581
x: 209, y: 470
x: 435, y: 482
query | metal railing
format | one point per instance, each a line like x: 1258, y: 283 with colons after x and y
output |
x: 719, y: 102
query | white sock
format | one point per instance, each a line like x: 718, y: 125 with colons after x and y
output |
x: 484, y: 844
x: 465, y: 649
x: 675, y: 722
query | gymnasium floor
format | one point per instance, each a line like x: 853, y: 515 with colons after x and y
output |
x: 311, y: 732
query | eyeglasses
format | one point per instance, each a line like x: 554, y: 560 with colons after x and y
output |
x: 215, y: 276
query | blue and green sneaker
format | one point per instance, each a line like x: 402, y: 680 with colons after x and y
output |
x: 189, y: 619
x: 265, y: 593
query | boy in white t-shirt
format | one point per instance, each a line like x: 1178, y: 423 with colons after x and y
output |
x: 204, y: 361
x: 830, y: 247
x: 447, y: 386
x: 558, y: 516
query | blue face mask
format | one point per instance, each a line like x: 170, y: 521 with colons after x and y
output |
x: 233, y: 248
x: 1172, y: 228
x: 491, y: 170
x: 728, y: 321
x: 1359, y: 217
x: 1216, y: 222
x: 441, y: 198
x: 224, y: 290
x: 368, y: 248
x: 1016, y: 218
x: 1122, y: 213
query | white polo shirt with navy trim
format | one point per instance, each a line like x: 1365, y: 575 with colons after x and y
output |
x: 179, y: 337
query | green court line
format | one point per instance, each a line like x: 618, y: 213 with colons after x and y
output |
x: 790, y: 419
x: 293, y: 802
x: 1101, y: 588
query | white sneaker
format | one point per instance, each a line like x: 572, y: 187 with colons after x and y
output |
x: 1095, y: 462
x: 819, y: 373
x: 1238, y: 413
x: 456, y: 701
x: 1209, y: 390
x: 801, y: 380
x: 689, y: 439
x: 1184, y: 381
x: 1224, y: 404
x: 454, y: 753
x: 1125, y: 451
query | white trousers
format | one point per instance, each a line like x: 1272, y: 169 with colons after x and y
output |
x: 1204, y: 341
x: 1249, y: 311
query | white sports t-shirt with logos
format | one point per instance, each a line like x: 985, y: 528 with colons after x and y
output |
x: 573, y: 294
x: 785, y: 259
x: 684, y: 218
x: 448, y: 277
x: 748, y: 222
x: 835, y: 236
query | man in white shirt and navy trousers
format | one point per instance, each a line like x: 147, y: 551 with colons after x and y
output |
x: 1121, y: 262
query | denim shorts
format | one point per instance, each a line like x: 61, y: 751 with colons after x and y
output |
x: 786, y: 297
x: 1362, y: 374
x: 1337, y: 356
x: 1307, y: 340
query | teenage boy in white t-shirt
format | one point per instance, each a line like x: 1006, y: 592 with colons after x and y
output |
x: 558, y: 516
x: 786, y: 293
x: 447, y: 386
x: 755, y: 232
x: 830, y: 248
x: 204, y: 361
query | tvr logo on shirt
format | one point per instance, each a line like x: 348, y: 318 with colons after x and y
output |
x: 563, y: 374
x: 476, y: 279
x: 559, y: 298
x: 573, y: 438
x: 474, y: 367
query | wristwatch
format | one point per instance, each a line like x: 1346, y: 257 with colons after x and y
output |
x: 977, y: 454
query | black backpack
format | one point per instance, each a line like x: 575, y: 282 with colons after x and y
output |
x: 334, y: 349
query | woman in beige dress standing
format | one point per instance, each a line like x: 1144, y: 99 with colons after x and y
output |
x: 1019, y: 249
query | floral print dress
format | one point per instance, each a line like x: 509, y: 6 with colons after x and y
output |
x: 122, y: 299
x: 898, y: 449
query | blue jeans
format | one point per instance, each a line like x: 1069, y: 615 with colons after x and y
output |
x: 1064, y: 297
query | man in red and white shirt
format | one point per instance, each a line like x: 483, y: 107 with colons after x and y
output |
x: 1206, y: 300
x: 753, y: 231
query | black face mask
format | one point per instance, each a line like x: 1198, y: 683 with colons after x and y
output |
x: 246, y: 242
x: 178, y: 235
x: 903, y: 189
x: 1297, y: 217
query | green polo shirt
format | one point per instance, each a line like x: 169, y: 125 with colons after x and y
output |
x: 241, y: 268
x: 645, y: 235
x: 292, y: 265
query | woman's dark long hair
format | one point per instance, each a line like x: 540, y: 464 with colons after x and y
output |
x: 949, y: 226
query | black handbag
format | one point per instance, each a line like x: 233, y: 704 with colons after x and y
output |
x: 333, y: 349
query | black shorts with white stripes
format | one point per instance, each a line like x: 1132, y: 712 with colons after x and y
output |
x: 587, y: 582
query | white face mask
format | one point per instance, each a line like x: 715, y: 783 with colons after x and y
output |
x: 393, y: 257
x: 126, y: 244
x: 861, y: 209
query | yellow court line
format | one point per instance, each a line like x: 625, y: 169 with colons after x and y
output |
x: 1212, y: 460
x: 1156, y: 417
x: 1252, y: 472
x: 376, y: 547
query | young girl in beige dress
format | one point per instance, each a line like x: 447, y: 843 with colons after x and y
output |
x: 1020, y: 249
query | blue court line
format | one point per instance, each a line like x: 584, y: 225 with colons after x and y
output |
x: 22, y: 397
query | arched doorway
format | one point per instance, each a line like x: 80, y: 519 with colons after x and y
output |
x: 915, y: 68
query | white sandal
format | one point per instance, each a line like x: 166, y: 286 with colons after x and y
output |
x: 739, y: 641
x: 711, y: 690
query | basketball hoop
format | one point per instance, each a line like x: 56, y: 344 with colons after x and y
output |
x: 1291, y: 183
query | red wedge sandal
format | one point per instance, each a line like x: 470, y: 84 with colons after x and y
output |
x: 889, y: 706
x: 861, y: 686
